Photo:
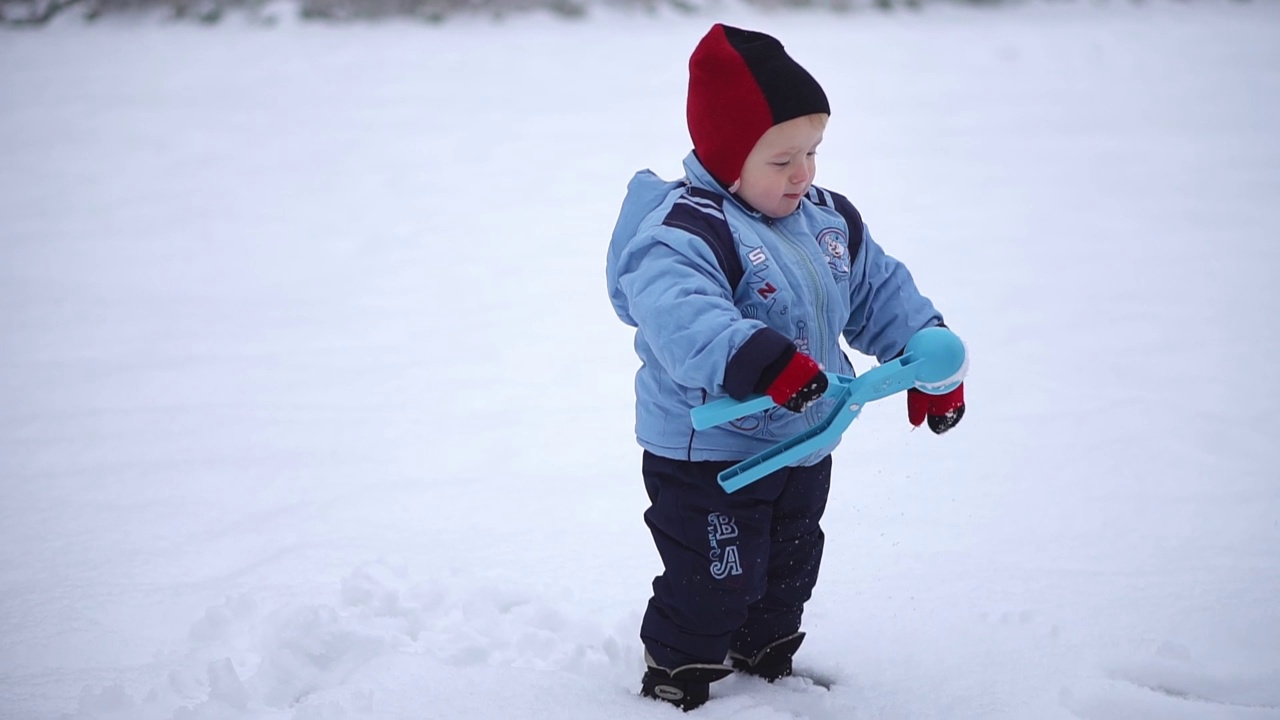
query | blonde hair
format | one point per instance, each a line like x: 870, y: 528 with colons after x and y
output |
x: 819, y: 120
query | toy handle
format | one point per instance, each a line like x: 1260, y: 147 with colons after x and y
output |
x: 726, y: 409
x: 932, y: 361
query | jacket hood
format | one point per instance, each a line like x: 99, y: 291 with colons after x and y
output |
x: 645, y: 193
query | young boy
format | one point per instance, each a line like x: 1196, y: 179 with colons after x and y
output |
x: 740, y: 279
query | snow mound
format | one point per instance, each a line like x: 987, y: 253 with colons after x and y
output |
x: 314, y: 661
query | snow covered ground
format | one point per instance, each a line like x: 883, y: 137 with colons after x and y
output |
x: 312, y: 404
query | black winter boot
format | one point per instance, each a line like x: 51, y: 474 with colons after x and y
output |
x: 771, y: 663
x: 686, y: 687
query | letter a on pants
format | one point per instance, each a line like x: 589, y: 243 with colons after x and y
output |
x: 738, y: 567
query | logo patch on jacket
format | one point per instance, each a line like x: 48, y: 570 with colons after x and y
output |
x: 756, y: 280
x: 835, y: 246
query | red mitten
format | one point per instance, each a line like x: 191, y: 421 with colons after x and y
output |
x: 800, y: 382
x: 943, y: 411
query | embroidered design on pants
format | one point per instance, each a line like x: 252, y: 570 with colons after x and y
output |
x: 724, y: 556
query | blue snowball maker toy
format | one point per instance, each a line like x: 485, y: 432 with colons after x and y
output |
x: 934, y: 361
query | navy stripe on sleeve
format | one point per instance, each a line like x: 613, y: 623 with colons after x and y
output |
x: 852, y: 218
x: 701, y: 213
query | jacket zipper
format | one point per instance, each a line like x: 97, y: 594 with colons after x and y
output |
x: 820, y: 293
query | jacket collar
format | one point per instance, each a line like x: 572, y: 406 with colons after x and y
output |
x: 697, y: 175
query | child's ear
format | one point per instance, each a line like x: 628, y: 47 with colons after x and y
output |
x: 734, y: 187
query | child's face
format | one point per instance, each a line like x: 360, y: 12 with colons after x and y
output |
x: 780, y: 168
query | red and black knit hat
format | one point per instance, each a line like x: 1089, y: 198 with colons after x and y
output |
x: 741, y: 83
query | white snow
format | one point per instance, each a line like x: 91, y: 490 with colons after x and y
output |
x: 312, y: 404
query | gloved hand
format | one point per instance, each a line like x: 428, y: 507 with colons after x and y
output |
x: 942, y: 411
x: 796, y: 381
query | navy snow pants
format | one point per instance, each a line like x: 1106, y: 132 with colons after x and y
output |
x: 739, y: 566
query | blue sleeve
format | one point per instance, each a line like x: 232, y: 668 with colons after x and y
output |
x: 887, y: 309
x: 683, y: 306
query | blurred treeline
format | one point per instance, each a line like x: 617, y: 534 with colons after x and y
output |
x: 35, y: 13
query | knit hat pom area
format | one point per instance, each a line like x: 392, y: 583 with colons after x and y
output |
x: 741, y: 83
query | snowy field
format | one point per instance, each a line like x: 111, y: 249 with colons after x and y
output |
x: 312, y: 404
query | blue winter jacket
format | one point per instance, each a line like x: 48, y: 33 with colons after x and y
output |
x: 717, y: 291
